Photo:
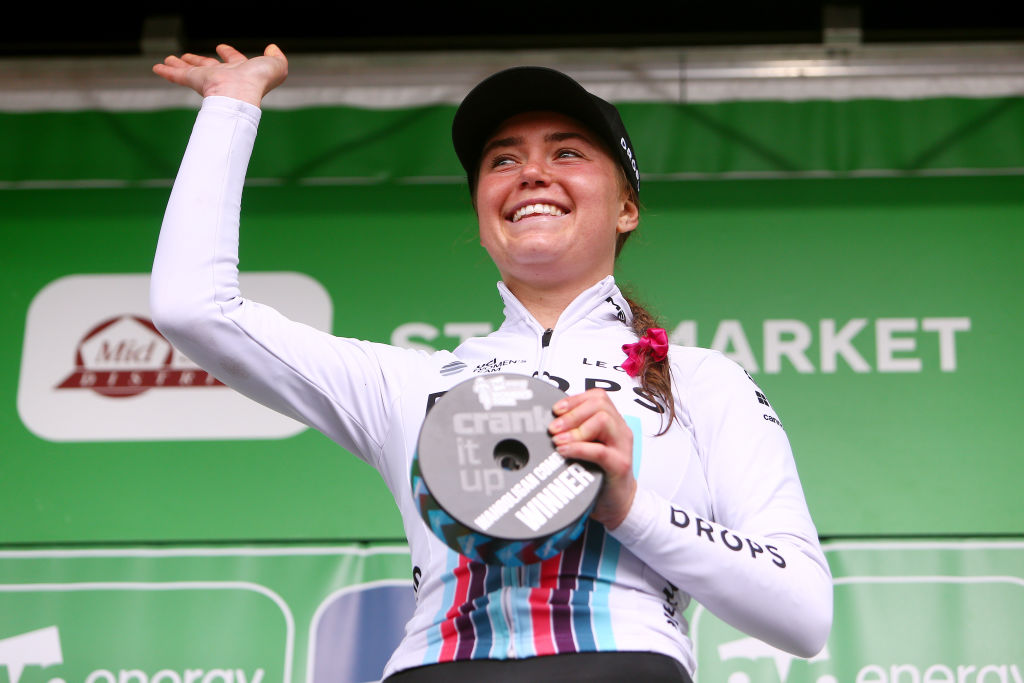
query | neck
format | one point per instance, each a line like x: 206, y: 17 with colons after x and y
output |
x: 545, y: 303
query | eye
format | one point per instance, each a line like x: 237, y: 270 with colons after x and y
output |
x: 501, y: 160
x: 568, y: 153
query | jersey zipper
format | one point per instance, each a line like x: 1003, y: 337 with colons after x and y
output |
x: 513, y: 576
x: 506, y: 608
x: 545, y: 345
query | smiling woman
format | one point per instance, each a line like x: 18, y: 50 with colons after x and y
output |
x: 701, y: 496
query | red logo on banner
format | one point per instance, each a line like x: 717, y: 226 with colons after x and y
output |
x: 125, y: 356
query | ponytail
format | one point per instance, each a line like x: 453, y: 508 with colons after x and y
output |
x: 655, y: 376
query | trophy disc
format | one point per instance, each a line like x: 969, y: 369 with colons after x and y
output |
x: 487, y: 478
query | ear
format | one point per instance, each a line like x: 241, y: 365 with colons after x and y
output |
x: 629, y: 216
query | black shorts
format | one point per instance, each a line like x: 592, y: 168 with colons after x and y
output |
x: 593, y: 667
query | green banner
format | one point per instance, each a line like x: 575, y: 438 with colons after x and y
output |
x: 905, y: 612
x: 672, y: 139
x: 195, y: 615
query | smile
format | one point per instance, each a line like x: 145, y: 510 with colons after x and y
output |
x: 535, y: 210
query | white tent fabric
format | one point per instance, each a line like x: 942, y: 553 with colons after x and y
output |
x: 794, y: 73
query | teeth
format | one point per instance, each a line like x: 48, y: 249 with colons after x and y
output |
x: 533, y: 209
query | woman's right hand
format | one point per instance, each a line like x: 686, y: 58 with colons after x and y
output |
x: 236, y: 76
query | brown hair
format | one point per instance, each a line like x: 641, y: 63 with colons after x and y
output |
x: 655, y: 376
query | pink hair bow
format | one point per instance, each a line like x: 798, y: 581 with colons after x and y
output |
x: 654, y: 343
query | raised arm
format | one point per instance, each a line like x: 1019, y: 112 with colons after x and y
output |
x: 342, y: 387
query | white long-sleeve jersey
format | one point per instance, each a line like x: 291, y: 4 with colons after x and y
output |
x: 719, y: 515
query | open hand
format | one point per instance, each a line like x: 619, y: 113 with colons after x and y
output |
x: 236, y: 76
x: 589, y: 427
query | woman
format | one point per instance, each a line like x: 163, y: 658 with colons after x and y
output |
x: 701, y: 495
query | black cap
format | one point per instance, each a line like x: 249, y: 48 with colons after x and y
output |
x: 535, y: 88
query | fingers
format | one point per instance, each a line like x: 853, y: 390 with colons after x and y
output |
x: 198, y: 60
x: 232, y: 75
x: 175, y: 69
x: 591, y: 451
x: 187, y: 59
x: 230, y: 54
x: 171, y: 71
x: 588, y: 426
x: 274, y: 53
x: 226, y: 53
x: 588, y: 416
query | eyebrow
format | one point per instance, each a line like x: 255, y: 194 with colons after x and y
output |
x: 501, y: 142
x: 558, y: 137
x: 514, y: 140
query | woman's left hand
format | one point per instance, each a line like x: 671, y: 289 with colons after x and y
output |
x: 588, y: 427
x: 233, y: 75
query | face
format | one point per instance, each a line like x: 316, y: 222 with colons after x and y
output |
x: 551, y: 202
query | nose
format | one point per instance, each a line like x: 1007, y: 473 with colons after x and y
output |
x: 534, y: 174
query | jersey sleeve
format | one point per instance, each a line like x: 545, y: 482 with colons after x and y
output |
x: 342, y: 387
x: 755, y: 562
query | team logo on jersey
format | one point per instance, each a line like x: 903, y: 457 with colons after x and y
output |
x: 495, y: 365
x: 453, y: 368
x: 619, y: 313
x: 763, y: 400
x: 602, y: 364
